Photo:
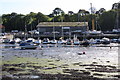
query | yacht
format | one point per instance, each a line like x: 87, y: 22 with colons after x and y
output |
x: 76, y: 40
x: 105, y: 40
x: 69, y: 41
x: 53, y: 41
x: 46, y: 41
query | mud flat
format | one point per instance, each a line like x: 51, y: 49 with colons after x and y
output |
x: 60, y: 63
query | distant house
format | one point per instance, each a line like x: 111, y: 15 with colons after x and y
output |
x: 116, y: 5
x: 2, y: 28
x: 47, y: 28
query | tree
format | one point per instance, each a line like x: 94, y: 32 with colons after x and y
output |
x: 15, y: 21
x: 101, y: 10
x: 107, y: 20
x: 81, y: 14
x: 57, y: 12
x: 70, y: 13
x: 12, y: 21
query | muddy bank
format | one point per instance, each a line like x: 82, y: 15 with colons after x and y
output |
x: 98, y: 63
x: 52, y: 69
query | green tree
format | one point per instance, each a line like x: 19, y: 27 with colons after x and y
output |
x: 107, y: 20
x: 12, y: 21
x: 57, y: 12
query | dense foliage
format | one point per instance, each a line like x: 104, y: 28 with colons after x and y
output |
x: 105, y: 20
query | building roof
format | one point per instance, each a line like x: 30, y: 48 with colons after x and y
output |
x: 59, y: 24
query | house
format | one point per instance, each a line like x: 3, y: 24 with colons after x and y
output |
x: 61, y: 28
x: 116, y: 5
x: 2, y: 28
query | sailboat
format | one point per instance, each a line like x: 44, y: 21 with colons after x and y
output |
x: 69, y: 41
x: 54, y: 41
x: 61, y: 41
x: 94, y: 30
x: 45, y: 41
x: 27, y: 44
x: 105, y: 41
x: 76, y: 40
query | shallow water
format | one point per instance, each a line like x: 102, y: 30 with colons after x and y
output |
x: 99, y: 54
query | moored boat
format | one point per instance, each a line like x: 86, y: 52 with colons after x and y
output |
x: 105, y: 41
x: 45, y: 41
x: 76, y: 41
x: 69, y: 42
x: 85, y: 43
x: 26, y: 45
x: 53, y: 41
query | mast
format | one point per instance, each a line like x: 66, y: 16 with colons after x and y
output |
x: 53, y: 30
x: 93, y: 21
x: 62, y: 30
x: 117, y: 16
x: 25, y: 31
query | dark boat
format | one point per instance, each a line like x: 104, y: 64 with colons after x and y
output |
x: 85, y: 43
x: 68, y: 42
x: 12, y: 42
x: 26, y: 45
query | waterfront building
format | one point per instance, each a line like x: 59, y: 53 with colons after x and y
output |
x: 61, y: 28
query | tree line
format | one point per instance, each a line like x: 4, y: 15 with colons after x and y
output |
x: 104, y: 20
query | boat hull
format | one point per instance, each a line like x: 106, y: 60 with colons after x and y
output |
x: 28, y: 47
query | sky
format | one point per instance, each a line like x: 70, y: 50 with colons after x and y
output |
x: 47, y: 6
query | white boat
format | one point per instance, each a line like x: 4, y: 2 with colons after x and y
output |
x: 105, y: 40
x: 17, y: 40
x: 53, y: 41
x: 30, y: 40
x: 46, y: 41
x: 94, y: 32
x: 38, y: 42
x: 76, y: 40
x: 61, y: 41
x: 95, y: 41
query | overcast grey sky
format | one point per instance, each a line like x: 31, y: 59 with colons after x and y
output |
x: 47, y: 6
